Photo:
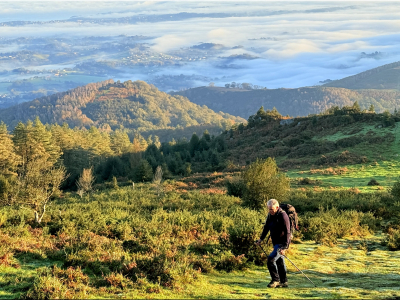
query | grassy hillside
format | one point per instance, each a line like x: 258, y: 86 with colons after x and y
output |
x: 293, y: 102
x: 331, y: 151
x: 133, y: 105
x: 383, y: 77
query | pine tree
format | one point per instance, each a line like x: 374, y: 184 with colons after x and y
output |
x: 156, y: 141
x: 144, y: 171
x: 193, y: 144
x: 45, y: 138
x: 39, y: 176
x: 9, y: 160
x: 371, y: 108
x: 206, y: 135
x: 99, y: 142
x: 120, y: 142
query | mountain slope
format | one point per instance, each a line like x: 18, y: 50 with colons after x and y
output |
x: 340, y: 138
x: 293, y: 102
x: 134, y: 105
x: 383, y: 77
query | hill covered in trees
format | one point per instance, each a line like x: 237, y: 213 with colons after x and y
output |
x: 110, y: 105
x: 293, y: 102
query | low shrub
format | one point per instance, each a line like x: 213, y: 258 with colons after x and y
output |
x: 118, y: 280
x: 308, y: 181
x: 236, y: 186
x: 229, y: 262
x: 244, y: 231
x: 53, y: 282
x: 373, y: 182
x: 393, y: 239
x: 326, y: 226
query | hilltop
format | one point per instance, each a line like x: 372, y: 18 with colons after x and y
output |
x: 108, y: 104
x: 293, y: 102
x: 339, y: 136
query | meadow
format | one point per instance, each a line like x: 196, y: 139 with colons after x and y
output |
x: 135, y: 242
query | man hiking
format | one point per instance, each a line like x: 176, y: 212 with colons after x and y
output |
x: 278, y: 225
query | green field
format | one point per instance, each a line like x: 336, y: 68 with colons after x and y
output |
x: 384, y: 166
x: 354, y: 269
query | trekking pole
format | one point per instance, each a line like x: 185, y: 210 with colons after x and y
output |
x: 299, y: 270
x: 292, y: 264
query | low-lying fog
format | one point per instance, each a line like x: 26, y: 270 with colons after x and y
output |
x: 270, y: 44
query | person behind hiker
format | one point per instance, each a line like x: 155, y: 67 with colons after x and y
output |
x: 278, y: 225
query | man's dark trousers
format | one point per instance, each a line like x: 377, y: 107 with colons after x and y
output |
x: 276, y: 266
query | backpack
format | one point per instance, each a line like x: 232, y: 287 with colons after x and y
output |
x: 292, y: 214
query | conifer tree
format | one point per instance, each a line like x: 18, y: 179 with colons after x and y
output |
x: 193, y: 144
x: 120, y: 142
x: 144, y: 172
x: 156, y: 141
x: 99, y: 142
x: 8, y: 158
x: 39, y: 176
x: 371, y: 108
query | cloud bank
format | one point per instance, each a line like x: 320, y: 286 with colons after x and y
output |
x: 298, y: 43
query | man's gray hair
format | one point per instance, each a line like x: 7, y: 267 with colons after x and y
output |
x: 273, y: 203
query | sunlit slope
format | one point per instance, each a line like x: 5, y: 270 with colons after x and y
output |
x: 318, y: 141
x: 133, y: 105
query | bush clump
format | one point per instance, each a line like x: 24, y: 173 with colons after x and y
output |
x: 56, y: 283
x: 326, y: 226
x: 393, y: 239
x: 236, y: 186
x: 264, y: 181
x: 373, y: 182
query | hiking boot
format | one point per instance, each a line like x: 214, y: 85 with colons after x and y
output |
x: 284, y: 284
x: 273, y: 284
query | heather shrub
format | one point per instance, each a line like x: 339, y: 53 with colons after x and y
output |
x: 235, y: 186
x: 327, y: 226
x: 53, y: 282
x: 244, y: 231
x: 393, y: 239
x: 228, y: 262
x: 118, y: 280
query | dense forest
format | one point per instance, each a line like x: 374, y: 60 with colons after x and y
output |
x: 292, y: 102
x: 114, y: 105
x: 110, y: 154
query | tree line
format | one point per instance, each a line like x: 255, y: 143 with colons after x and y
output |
x: 37, y: 160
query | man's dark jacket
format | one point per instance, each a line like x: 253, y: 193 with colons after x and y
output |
x: 279, y: 227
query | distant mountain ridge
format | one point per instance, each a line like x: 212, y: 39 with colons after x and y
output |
x: 293, y: 102
x: 383, y: 77
x: 133, y: 105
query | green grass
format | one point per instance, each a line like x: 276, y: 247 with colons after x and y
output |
x: 383, y: 162
x: 358, y: 176
x: 352, y: 269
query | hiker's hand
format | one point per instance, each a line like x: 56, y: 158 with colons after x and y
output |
x: 258, y: 242
x: 282, y: 251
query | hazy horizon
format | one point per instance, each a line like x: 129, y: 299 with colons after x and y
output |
x: 286, y: 44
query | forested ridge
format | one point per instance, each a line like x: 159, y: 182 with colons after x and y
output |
x: 292, y: 102
x: 108, y: 104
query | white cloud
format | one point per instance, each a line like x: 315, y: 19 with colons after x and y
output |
x: 304, y: 42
